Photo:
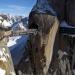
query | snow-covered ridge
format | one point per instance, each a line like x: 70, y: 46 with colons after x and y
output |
x: 8, y: 21
x: 5, y: 21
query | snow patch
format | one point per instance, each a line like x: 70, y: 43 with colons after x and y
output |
x: 2, y: 72
x: 65, y: 24
x: 12, y: 41
x: 1, y: 18
x: 1, y: 53
x: 21, y: 26
x: 6, y: 23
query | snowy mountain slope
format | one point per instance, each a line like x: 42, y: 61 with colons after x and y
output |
x: 16, y: 44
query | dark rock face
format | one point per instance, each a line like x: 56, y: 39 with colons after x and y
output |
x: 59, y: 6
x: 71, y: 12
x: 41, y: 45
x: 61, y: 65
x: 41, y: 50
x: 65, y: 10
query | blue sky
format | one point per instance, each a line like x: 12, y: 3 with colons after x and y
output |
x: 16, y: 7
